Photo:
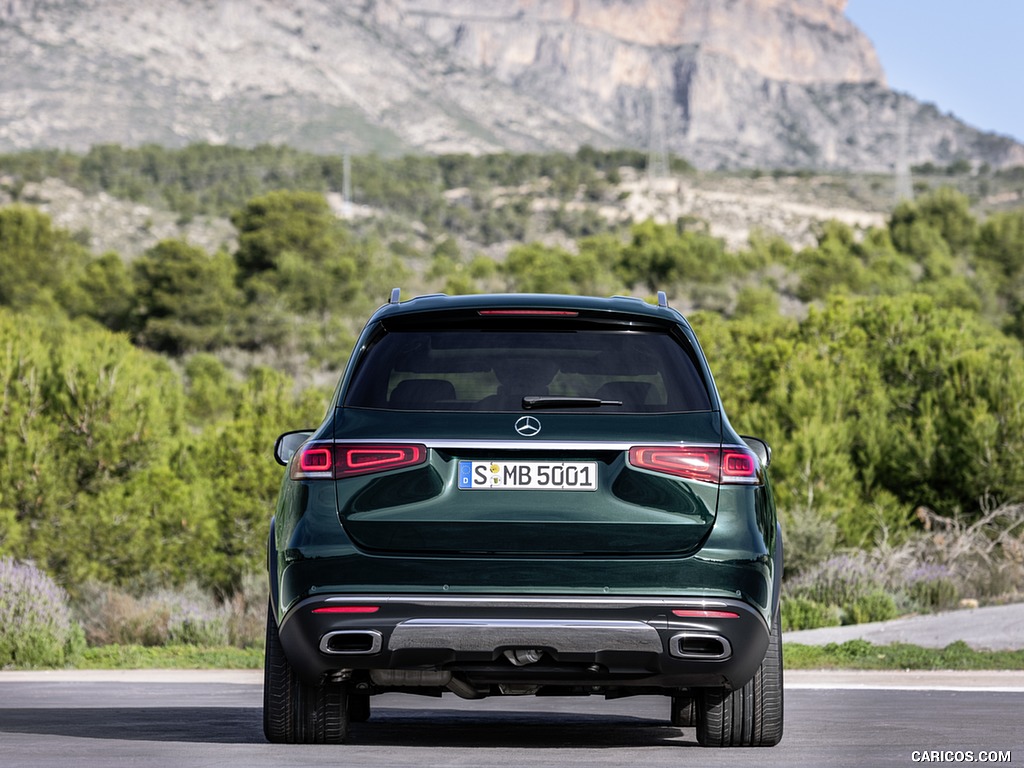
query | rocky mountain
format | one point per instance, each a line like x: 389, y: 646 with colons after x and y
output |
x: 724, y: 83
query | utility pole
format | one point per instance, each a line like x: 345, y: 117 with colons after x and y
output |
x: 903, y: 187
x: 346, y: 184
x: 657, y: 152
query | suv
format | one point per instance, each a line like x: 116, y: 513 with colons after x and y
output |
x: 525, y: 494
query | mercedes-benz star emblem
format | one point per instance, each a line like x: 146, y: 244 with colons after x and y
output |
x: 527, y: 426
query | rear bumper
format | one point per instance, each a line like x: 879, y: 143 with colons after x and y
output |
x: 568, y: 642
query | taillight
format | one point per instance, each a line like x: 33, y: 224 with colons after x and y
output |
x: 316, y: 458
x: 731, y: 465
x: 331, y: 461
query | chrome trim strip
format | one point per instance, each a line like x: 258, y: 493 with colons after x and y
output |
x: 530, y: 445
x: 522, y: 444
x: 490, y: 601
x: 487, y: 636
x: 376, y: 642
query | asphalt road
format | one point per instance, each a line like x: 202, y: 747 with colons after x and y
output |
x: 88, y: 720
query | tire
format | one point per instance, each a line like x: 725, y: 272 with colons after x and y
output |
x: 358, y: 707
x: 750, y: 716
x: 295, y: 712
x: 684, y: 711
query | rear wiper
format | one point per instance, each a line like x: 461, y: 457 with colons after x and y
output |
x: 530, y: 402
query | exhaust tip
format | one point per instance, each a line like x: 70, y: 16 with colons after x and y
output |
x: 351, y: 642
x: 700, y: 645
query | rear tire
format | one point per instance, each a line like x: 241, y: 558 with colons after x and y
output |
x: 750, y: 716
x: 295, y: 712
x: 358, y: 707
x: 684, y: 711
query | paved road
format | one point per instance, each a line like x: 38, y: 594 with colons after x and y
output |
x: 82, y: 719
x: 88, y: 720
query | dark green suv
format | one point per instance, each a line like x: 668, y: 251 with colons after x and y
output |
x: 525, y: 494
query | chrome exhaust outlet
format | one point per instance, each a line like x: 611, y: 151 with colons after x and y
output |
x: 706, y: 646
x: 351, y: 642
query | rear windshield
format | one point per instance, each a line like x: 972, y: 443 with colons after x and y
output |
x: 493, y: 370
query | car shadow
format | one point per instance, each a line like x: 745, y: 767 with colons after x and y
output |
x: 386, y: 727
x: 512, y: 729
x: 208, y: 725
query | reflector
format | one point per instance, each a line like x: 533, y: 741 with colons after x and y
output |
x: 700, y: 613
x: 347, y: 609
x: 529, y: 312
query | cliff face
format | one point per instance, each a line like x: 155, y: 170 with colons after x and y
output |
x: 765, y: 83
x: 799, y: 41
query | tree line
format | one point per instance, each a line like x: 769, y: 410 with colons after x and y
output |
x: 136, y: 446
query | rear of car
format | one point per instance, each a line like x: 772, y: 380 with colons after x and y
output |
x: 515, y: 495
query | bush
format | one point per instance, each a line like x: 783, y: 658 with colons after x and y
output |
x: 932, y: 588
x: 193, y: 618
x: 247, y: 612
x: 809, y: 539
x: 839, y: 581
x: 851, y: 586
x: 987, y: 554
x: 874, y: 606
x: 35, y: 630
x: 804, y: 613
x: 111, y: 615
x: 158, y: 617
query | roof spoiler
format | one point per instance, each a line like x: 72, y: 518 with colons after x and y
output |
x: 396, y: 297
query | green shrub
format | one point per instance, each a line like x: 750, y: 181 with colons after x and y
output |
x: 874, y: 606
x: 852, y: 650
x: 932, y: 588
x: 805, y: 613
x: 841, y: 580
x: 35, y: 628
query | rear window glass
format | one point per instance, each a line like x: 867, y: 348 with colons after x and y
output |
x: 493, y: 370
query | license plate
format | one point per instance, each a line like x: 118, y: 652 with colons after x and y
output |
x: 528, y: 475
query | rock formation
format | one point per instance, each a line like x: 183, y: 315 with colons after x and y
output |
x: 724, y: 83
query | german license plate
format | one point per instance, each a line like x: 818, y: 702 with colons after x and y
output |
x: 528, y: 475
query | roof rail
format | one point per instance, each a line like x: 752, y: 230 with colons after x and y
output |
x: 396, y: 293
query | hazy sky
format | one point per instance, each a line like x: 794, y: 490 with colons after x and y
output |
x: 964, y: 56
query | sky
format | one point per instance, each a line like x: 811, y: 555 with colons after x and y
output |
x: 964, y: 56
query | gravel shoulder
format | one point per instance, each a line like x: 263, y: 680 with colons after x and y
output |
x: 993, y: 628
